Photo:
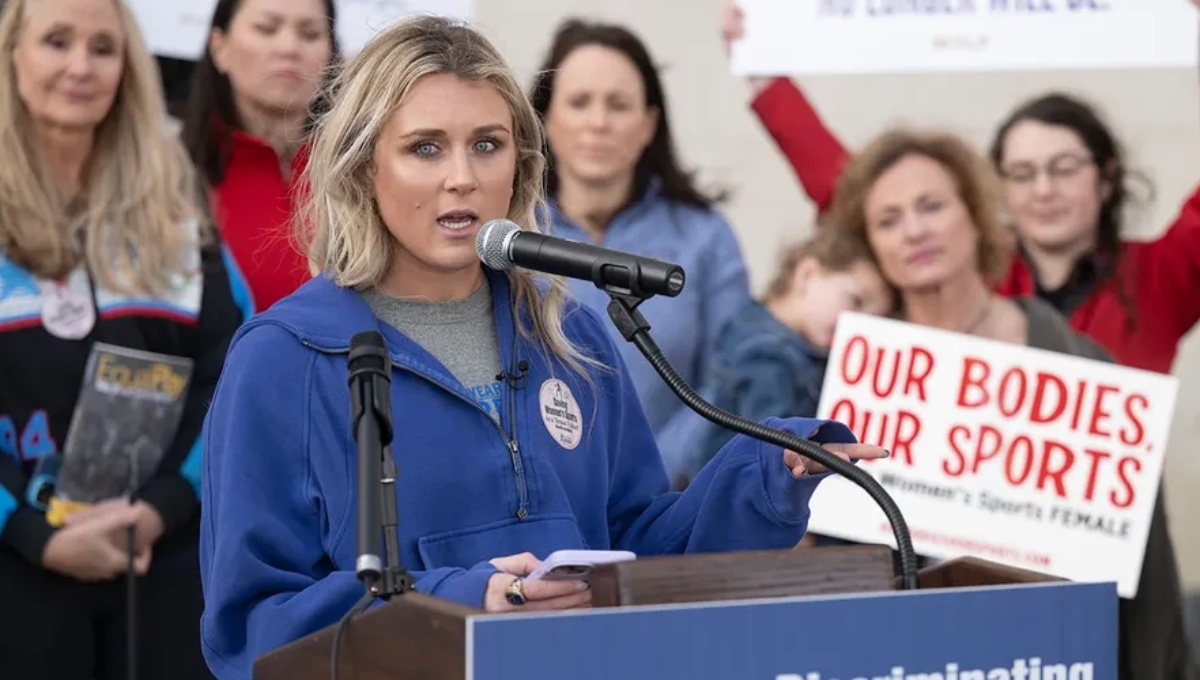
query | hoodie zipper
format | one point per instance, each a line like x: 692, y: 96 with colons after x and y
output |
x: 514, y: 451
x: 510, y: 441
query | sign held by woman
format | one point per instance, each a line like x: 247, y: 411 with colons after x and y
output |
x: 828, y: 37
x: 1017, y: 455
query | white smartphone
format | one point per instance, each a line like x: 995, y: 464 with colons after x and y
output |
x: 574, y: 565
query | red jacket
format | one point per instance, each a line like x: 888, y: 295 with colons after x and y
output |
x: 254, y: 206
x: 1161, y: 277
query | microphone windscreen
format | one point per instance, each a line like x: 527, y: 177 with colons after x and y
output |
x: 368, y: 351
x: 491, y: 243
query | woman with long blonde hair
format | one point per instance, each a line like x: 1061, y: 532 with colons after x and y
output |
x: 103, y: 239
x: 517, y: 429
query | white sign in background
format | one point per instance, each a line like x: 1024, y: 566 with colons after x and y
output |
x: 834, y: 37
x: 1064, y: 485
x: 179, y: 28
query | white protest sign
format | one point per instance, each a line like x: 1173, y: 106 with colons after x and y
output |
x: 360, y: 20
x: 792, y: 37
x: 1020, y: 456
x: 174, y: 29
x: 179, y: 28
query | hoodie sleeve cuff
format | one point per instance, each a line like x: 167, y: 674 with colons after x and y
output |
x: 470, y: 587
x: 172, y: 498
x: 788, y: 496
x: 27, y: 532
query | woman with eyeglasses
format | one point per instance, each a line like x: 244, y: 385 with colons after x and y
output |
x: 1067, y: 189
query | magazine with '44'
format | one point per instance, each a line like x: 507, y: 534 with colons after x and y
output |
x: 124, y: 422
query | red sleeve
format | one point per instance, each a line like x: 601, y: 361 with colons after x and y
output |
x: 1169, y: 269
x: 812, y: 149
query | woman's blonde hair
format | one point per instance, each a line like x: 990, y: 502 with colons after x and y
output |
x: 139, y: 184
x: 978, y: 187
x: 338, y: 221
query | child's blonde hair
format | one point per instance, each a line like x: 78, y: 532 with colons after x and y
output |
x: 835, y: 254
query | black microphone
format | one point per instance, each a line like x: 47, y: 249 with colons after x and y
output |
x: 371, y: 422
x: 629, y: 280
x: 501, y: 245
x: 370, y: 378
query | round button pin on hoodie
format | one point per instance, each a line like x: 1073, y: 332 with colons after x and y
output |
x: 560, y: 413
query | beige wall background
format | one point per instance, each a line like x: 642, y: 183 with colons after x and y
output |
x: 1156, y: 113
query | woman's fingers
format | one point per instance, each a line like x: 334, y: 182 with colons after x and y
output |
x: 576, y: 600
x: 541, y: 589
x: 857, y: 451
x: 541, y: 595
x: 517, y: 565
x: 801, y: 465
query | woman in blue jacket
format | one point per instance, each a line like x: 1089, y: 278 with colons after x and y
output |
x: 517, y: 429
x: 614, y: 179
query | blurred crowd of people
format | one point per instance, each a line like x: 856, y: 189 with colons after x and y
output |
x: 153, y: 205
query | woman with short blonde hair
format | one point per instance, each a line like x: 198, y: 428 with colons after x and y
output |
x: 103, y: 239
x: 517, y: 429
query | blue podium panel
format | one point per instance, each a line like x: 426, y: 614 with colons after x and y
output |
x: 1061, y: 631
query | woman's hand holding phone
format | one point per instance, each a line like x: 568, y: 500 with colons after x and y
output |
x: 535, y: 594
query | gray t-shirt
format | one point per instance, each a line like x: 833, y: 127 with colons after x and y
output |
x: 461, y: 334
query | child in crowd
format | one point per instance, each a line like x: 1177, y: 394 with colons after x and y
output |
x: 769, y: 360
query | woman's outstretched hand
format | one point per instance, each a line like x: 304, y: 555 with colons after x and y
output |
x: 800, y: 466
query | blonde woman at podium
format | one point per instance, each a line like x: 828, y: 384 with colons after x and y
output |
x: 517, y: 428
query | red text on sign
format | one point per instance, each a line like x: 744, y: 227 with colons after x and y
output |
x: 1042, y: 463
x: 890, y: 373
x: 887, y: 369
x: 1044, y: 398
x: 895, y: 431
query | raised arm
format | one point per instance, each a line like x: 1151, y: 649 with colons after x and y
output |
x: 814, y: 152
x: 1170, y: 267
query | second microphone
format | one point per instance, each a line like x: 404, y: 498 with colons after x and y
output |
x: 501, y: 245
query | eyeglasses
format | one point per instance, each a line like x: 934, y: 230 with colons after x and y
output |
x: 1061, y: 167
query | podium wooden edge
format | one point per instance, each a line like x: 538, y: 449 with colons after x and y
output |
x: 972, y: 572
x: 424, y: 635
x: 678, y: 579
x: 419, y: 636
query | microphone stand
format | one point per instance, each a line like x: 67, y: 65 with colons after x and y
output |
x: 623, y: 310
x: 131, y: 619
x: 371, y: 422
x: 396, y: 580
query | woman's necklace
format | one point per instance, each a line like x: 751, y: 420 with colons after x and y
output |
x: 983, y: 315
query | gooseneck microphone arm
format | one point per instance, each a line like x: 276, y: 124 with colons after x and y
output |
x: 623, y: 310
x: 629, y: 280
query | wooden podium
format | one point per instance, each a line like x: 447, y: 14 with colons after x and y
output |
x: 417, y: 637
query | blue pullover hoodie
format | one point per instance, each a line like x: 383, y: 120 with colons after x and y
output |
x: 278, y: 497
